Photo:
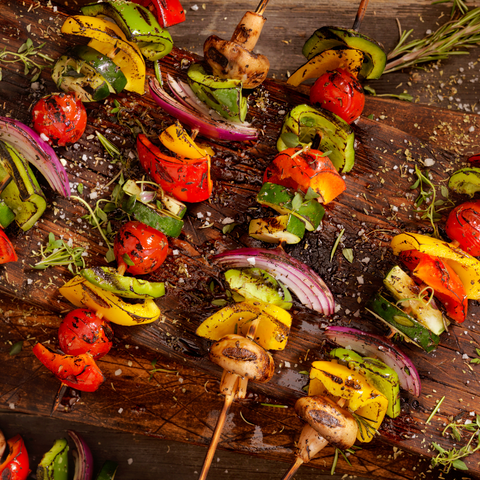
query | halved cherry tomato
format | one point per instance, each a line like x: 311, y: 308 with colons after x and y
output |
x: 339, y: 92
x: 76, y: 371
x: 7, y: 252
x: 140, y: 249
x: 16, y: 466
x: 474, y: 160
x: 82, y: 331
x: 438, y: 275
x: 301, y: 170
x: 61, y: 117
x: 463, y: 226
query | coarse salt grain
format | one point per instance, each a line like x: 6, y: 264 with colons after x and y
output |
x: 118, y: 372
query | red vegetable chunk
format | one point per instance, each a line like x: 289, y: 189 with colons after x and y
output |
x: 140, y: 249
x: 16, y: 464
x: 463, y: 226
x: 82, y: 331
x: 7, y: 252
x: 61, y: 117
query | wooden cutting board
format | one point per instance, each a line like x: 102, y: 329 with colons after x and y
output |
x: 377, y: 204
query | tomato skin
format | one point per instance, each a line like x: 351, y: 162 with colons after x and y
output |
x: 463, y: 226
x: 16, y: 466
x: 340, y: 93
x: 62, y: 117
x: 146, y: 247
x: 76, y: 371
x: 82, y: 331
x: 438, y: 275
x: 7, y: 252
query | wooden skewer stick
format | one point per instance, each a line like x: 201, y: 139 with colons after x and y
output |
x: 360, y: 14
x: 261, y: 7
x: 293, y: 469
x: 58, y: 398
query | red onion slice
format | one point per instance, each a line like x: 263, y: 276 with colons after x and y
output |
x: 206, y: 125
x: 376, y: 346
x: 83, y: 458
x: 38, y: 152
x: 309, y: 288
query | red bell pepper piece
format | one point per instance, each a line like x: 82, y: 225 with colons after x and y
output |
x: 475, y: 160
x: 76, y: 371
x: 16, y: 466
x: 188, y: 180
x: 437, y: 274
x: 168, y: 12
x: 7, y: 252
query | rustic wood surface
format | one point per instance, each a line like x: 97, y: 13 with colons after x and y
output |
x: 182, y: 404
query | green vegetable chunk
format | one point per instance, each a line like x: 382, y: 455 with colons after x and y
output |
x: 23, y: 195
x: 54, y: 464
x: 222, y: 95
x: 337, y: 137
x: 283, y: 228
x: 465, y: 181
x: 285, y: 201
x: 6, y: 214
x: 108, y: 471
x: 379, y: 375
x: 126, y: 287
x: 402, y: 323
x: 257, y: 284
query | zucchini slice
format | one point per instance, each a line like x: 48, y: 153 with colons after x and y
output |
x: 283, y: 228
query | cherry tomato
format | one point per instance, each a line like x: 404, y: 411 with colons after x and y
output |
x: 76, y: 371
x: 340, y: 93
x: 463, y: 226
x: 61, y: 117
x: 438, y: 275
x: 16, y: 466
x: 7, y: 252
x: 82, y: 331
x: 140, y: 249
x: 474, y: 160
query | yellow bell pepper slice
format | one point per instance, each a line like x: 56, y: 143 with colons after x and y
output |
x: 465, y: 266
x: 84, y: 294
x: 108, y: 39
x: 338, y: 381
x: 178, y: 141
x: 272, y: 330
x: 348, y: 58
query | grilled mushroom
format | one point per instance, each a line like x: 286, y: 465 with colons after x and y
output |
x: 327, y: 422
x: 235, y: 58
x: 242, y: 360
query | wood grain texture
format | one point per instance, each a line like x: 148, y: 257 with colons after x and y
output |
x: 377, y: 204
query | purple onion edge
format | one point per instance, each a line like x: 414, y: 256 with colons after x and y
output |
x: 84, y: 455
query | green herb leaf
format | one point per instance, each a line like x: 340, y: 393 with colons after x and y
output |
x: 348, y: 254
x: 290, y: 139
x: 126, y: 258
x: 311, y: 194
x: 459, y: 465
x: 228, y: 228
x: 297, y: 202
x: 16, y: 348
x: 80, y: 188
x: 335, y: 245
x: 370, y: 90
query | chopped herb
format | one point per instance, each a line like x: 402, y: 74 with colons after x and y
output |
x: 228, y: 228
x: 435, y: 410
x: 16, y: 348
x: 335, y: 245
x: 243, y: 418
x: 273, y: 405
x: 80, y: 188
x: 348, y: 254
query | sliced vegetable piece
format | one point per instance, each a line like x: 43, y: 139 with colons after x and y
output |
x: 168, y: 12
x: 402, y: 323
x: 109, y: 279
x: 138, y: 24
x: 108, y: 470
x: 466, y: 266
x: 256, y: 284
x: 465, y: 181
x: 304, y: 169
x: 123, y: 54
x: 337, y: 137
x: 406, y: 292
x: 54, y: 463
x: 272, y: 323
x: 224, y: 95
x: 82, y: 293
x: 36, y: 151
x: 178, y: 141
x: 378, y: 375
x: 362, y: 399
x: 350, y: 59
x: 375, y: 346
x: 15, y: 465
x: 307, y: 285
x: 103, y: 65
x: 7, y: 252
x: 282, y: 228
x: 6, y: 214
x: 463, y: 226
x: 83, y: 457
x: 321, y: 40
x: 23, y: 194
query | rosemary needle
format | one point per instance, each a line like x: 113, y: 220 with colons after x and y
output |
x: 435, y: 410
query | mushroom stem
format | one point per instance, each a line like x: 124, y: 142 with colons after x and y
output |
x: 216, y: 437
x: 293, y: 469
x: 261, y: 7
x: 360, y: 14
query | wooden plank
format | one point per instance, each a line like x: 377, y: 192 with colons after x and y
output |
x: 237, y: 172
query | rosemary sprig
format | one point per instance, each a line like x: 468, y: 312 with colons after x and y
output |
x: 453, y: 458
x: 364, y: 423
x: 463, y: 32
x: 337, y: 242
x: 426, y: 203
x: 24, y: 54
x: 57, y: 252
x: 457, y: 5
